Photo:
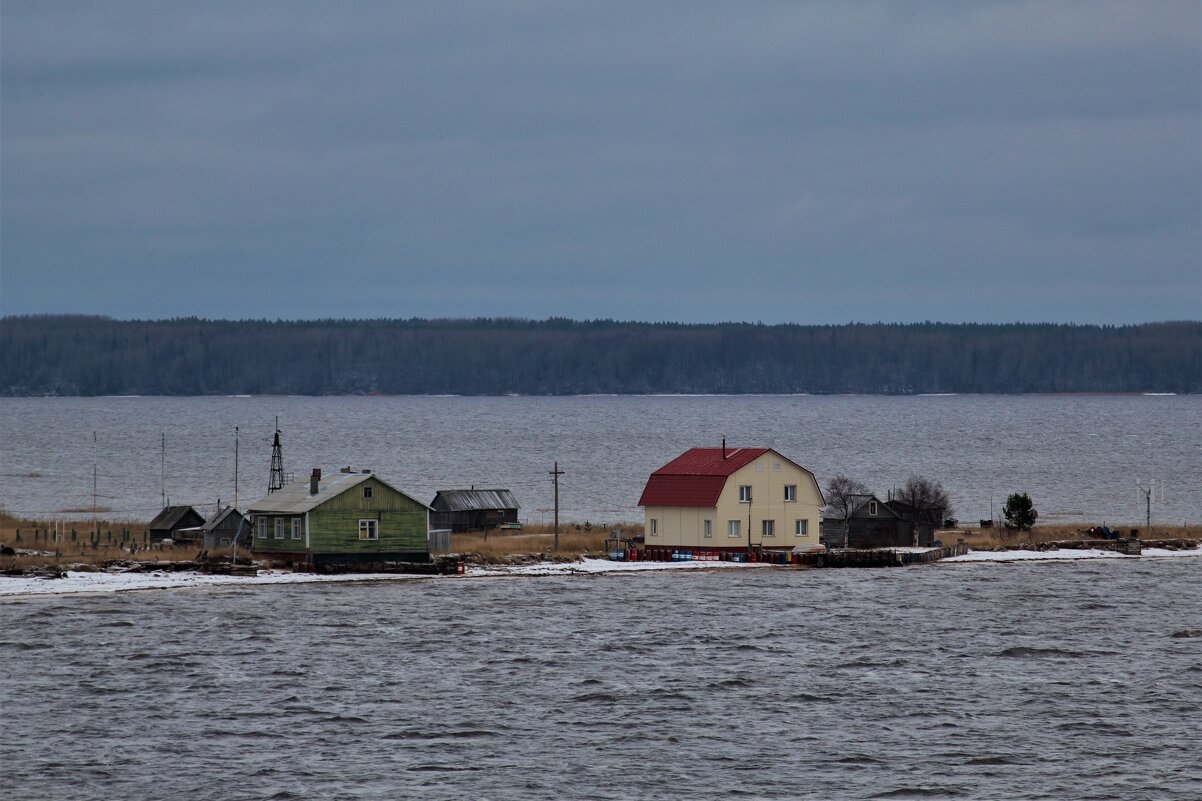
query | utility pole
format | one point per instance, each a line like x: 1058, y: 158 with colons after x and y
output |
x: 94, y: 442
x: 163, y: 469
x: 235, y: 467
x: 555, y: 474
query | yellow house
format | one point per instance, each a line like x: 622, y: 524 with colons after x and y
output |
x: 730, y: 500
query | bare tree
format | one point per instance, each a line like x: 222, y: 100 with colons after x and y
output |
x: 840, y: 495
x: 928, y: 501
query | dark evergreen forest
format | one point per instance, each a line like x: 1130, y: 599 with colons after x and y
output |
x: 79, y: 355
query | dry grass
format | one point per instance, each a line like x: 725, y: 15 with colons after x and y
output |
x: 1000, y: 536
x: 500, y: 545
x: 81, y: 551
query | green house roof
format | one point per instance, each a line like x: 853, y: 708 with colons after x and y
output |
x: 295, y: 498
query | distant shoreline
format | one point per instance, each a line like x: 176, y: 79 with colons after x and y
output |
x: 97, y: 356
x: 384, y: 395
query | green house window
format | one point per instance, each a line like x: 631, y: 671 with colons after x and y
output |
x: 369, y: 529
x: 367, y: 493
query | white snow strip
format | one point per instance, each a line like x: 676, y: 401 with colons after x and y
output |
x: 87, y: 582
x: 1066, y: 554
x: 586, y: 565
x: 78, y: 582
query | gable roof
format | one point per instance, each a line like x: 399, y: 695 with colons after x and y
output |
x: 295, y: 499
x: 855, y: 503
x: 172, y: 516
x: 467, y: 500
x: 696, y: 477
x: 217, y: 517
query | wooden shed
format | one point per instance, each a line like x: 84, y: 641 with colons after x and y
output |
x: 871, y: 523
x: 220, y: 529
x: 172, y: 519
x: 472, y: 509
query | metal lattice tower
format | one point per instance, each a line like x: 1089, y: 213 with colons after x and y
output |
x: 276, y: 480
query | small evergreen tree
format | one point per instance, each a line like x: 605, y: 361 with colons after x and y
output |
x: 1020, y: 512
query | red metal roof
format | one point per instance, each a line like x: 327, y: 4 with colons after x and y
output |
x: 696, y: 477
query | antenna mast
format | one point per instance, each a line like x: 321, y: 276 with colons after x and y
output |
x: 276, y: 480
x: 1148, y: 494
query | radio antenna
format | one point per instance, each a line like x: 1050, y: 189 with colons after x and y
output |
x: 276, y: 480
x: 1148, y: 495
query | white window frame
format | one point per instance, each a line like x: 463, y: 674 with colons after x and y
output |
x: 768, y: 528
x: 654, y: 527
x: 759, y: 467
x: 734, y: 529
x: 744, y: 493
x: 872, y: 508
x: 801, y: 527
x: 790, y: 493
x: 279, y: 528
x: 262, y: 528
x: 776, y: 467
x: 369, y: 528
x: 707, y: 529
x: 296, y: 528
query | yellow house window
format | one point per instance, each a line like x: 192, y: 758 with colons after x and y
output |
x: 654, y: 527
x: 732, y: 528
x: 790, y: 492
x: 802, y: 528
x: 768, y: 529
x: 707, y: 527
x: 744, y: 493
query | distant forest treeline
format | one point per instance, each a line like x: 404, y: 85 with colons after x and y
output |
x: 77, y: 355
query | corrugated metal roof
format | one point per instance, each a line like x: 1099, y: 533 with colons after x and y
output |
x: 697, y: 476
x: 294, y: 498
x: 467, y: 500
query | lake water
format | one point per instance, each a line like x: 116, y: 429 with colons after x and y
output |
x: 1078, y: 456
x: 1047, y: 681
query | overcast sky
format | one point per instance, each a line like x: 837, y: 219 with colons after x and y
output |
x: 699, y: 162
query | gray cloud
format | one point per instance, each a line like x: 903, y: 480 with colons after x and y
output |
x: 789, y: 162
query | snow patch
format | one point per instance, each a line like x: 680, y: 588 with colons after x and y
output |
x: 1066, y: 554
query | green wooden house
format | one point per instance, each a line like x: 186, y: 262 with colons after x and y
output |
x: 347, y: 517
